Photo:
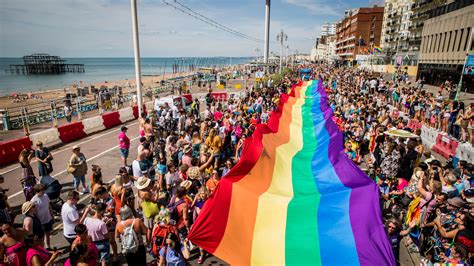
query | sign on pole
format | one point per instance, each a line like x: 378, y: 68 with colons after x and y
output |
x: 469, y: 67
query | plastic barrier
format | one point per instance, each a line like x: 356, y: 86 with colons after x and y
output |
x: 126, y: 114
x: 93, y: 124
x: 49, y: 137
x: 445, y: 146
x: 10, y: 150
x: 71, y: 132
x: 428, y: 136
x: 465, y: 152
x: 135, y: 111
x: 149, y: 106
x: 111, y: 119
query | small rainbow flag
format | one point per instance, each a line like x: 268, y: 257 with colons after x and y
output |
x: 294, y: 197
x: 378, y: 49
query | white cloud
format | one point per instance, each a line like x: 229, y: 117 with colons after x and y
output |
x: 315, y: 6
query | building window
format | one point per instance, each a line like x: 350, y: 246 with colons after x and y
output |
x: 442, y: 38
x: 454, y: 40
x: 430, y: 44
x: 426, y: 40
x: 449, y: 40
x: 436, y: 43
x: 460, y: 39
x: 467, y: 38
x: 443, y: 41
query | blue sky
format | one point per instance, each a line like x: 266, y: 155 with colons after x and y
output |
x: 102, y: 28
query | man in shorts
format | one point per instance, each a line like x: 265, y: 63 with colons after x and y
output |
x: 43, y: 212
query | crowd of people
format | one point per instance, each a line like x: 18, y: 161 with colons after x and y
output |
x: 155, y: 197
x: 425, y: 201
x: 183, y: 154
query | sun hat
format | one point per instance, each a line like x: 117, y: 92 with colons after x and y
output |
x: 186, y: 184
x: 75, y: 147
x: 26, y: 207
x: 456, y: 202
x: 142, y: 182
x: 187, y: 149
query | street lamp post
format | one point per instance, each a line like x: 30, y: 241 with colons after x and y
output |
x: 136, y: 52
x: 257, y: 52
x: 266, y: 49
x: 282, y: 37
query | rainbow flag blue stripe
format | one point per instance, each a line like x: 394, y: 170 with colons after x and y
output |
x: 295, y: 198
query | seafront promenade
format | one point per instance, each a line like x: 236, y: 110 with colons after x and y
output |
x: 151, y: 87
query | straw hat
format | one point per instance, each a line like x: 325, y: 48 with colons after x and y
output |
x: 142, y: 182
x: 26, y: 207
x: 186, y: 184
x: 187, y: 149
x: 75, y: 147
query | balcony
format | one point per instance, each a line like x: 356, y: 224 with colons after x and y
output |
x: 420, y: 4
x: 419, y: 16
x: 404, y: 48
x: 416, y: 26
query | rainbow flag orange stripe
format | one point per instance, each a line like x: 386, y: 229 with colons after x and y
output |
x: 294, y: 197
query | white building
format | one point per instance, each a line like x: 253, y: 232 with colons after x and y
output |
x: 331, y: 49
x: 324, y: 49
x: 328, y: 29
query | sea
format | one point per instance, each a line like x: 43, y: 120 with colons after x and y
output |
x: 101, y: 69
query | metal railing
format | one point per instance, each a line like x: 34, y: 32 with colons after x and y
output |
x: 47, y: 111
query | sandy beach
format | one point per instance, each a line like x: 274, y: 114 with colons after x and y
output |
x: 55, y: 93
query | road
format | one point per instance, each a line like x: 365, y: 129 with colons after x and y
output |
x: 100, y: 149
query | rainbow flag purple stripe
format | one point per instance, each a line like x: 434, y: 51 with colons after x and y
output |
x: 295, y: 198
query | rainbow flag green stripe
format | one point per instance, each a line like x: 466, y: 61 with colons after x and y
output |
x: 294, y: 198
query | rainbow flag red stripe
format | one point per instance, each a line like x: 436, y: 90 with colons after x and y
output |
x: 294, y: 197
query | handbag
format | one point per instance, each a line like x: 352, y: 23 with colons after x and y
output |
x: 406, y: 200
x: 49, y: 167
x: 71, y: 169
x: 150, y: 209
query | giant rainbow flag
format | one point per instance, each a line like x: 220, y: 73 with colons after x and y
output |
x: 294, y: 197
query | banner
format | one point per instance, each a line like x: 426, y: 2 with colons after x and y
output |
x: 294, y: 198
x: 469, y: 67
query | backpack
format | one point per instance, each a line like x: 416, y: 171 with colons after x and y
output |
x: 173, y: 209
x: 129, y: 240
x: 158, y: 238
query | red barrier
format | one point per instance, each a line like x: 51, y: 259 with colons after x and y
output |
x: 71, y: 132
x: 445, y: 146
x: 135, y: 111
x: 111, y: 119
x: 10, y: 150
x: 219, y: 96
